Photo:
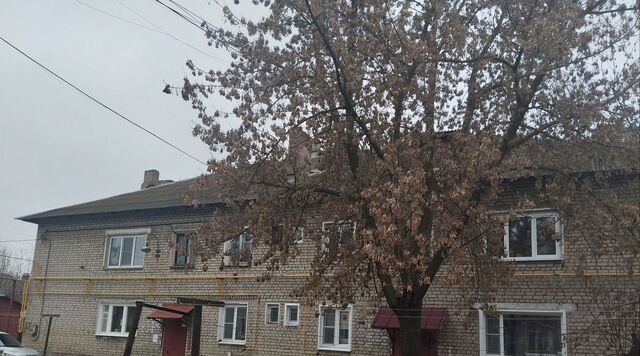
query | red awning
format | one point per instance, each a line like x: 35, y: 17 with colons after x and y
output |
x: 161, y: 314
x: 432, y: 319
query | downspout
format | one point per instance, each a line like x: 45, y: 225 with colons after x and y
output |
x: 44, y: 283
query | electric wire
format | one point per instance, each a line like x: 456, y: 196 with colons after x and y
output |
x: 102, y: 104
x: 203, y: 26
x: 116, y: 16
x: 140, y: 16
x: 181, y: 15
x: 193, y: 15
x: 158, y: 30
x: 16, y: 258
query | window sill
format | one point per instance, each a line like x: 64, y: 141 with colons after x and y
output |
x: 187, y: 267
x: 292, y: 324
x: 113, y: 268
x: 232, y: 342
x: 241, y: 264
x: 334, y: 348
x: 534, y: 259
x: 114, y: 335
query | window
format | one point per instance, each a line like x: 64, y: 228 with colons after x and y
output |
x: 115, y: 319
x: 126, y: 251
x: 334, y: 329
x: 273, y: 313
x: 233, y: 324
x: 278, y: 236
x: 522, y: 333
x: 291, y: 314
x: 237, y: 251
x: 298, y: 235
x: 336, y: 236
x: 346, y: 231
x: 183, y: 255
x: 536, y: 236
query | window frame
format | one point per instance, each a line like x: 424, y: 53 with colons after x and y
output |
x: 190, y: 258
x: 482, y: 326
x: 221, y: 321
x: 336, y: 333
x: 299, y: 241
x: 268, y: 307
x: 533, y: 215
x: 296, y: 241
x: 227, y: 260
x: 111, y: 305
x: 286, y: 321
x: 109, y: 240
x: 325, y: 238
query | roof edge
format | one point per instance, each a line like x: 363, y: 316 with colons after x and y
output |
x: 74, y: 209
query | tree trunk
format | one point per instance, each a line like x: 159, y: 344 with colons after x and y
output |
x: 409, y: 335
x: 635, y: 345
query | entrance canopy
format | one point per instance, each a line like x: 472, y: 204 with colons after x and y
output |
x: 431, y: 319
x: 181, y: 310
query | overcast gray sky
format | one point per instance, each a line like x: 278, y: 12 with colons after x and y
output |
x: 57, y: 147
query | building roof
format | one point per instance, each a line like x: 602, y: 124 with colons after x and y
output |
x: 574, y: 157
x: 586, y: 157
x: 163, y: 196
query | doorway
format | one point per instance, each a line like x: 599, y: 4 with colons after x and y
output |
x: 174, y: 337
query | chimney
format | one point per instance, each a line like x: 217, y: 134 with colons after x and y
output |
x: 151, y: 179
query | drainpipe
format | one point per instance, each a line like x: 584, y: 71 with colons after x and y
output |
x: 46, y: 273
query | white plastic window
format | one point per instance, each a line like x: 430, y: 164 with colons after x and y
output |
x: 272, y: 314
x: 291, y: 314
x: 533, y: 236
x: 233, y: 324
x: 334, y: 329
x: 126, y: 251
x: 115, y: 319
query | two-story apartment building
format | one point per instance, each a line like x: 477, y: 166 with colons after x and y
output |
x: 94, y: 260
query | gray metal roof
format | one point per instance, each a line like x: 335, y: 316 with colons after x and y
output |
x: 163, y: 196
x: 169, y: 195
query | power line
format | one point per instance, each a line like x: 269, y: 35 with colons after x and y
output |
x: 25, y: 240
x: 140, y: 16
x: 16, y: 258
x: 20, y: 233
x: 158, y: 30
x: 193, y: 15
x: 181, y: 15
x: 116, y: 16
x: 193, y: 21
x: 103, y: 105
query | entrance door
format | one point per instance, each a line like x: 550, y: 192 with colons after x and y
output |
x: 427, y: 344
x: 174, y: 337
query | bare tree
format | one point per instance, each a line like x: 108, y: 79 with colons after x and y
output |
x: 12, y: 266
x: 11, y: 263
x: 420, y: 112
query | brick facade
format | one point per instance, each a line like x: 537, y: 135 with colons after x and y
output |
x: 70, y: 252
